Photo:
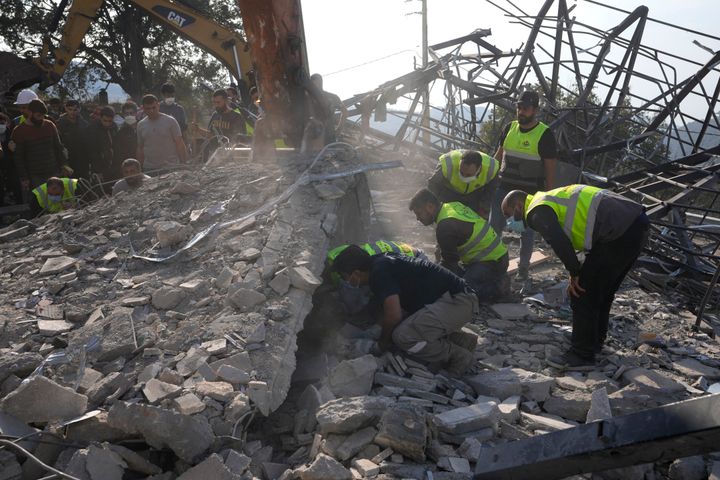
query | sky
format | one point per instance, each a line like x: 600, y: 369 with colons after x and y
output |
x: 359, y: 45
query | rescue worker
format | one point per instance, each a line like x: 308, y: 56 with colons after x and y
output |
x: 528, y: 153
x: 611, y: 229
x: 468, y: 177
x: 424, y: 306
x: 355, y: 299
x: 23, y: 103
x: 465, y: 237
x: 55, y: 195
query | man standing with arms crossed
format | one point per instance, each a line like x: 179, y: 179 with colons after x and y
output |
x: 528, y: 154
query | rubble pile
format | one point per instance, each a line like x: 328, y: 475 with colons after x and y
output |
x: 148, y: 365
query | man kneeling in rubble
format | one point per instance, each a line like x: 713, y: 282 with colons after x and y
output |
x: 436, y: 302
x: 55, y: 195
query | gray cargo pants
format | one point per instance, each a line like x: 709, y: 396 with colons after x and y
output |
x: 424, y: 333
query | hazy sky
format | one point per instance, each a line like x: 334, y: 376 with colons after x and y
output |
x: 347, y: 41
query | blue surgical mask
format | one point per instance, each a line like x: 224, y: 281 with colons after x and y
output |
x: 55, y: 198
x: 517, y: 226
x: 353, y: 298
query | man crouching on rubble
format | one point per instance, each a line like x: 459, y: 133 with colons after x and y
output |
x: 437, y: 304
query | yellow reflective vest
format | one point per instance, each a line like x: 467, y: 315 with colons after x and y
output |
x: 450, y: 166
x: 576, y: 208
x: 68, y: 196
x: 521, y: 163
x: 372, y: 248
x: 484, y: 244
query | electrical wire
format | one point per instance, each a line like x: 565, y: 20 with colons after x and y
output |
x: 36, y: 460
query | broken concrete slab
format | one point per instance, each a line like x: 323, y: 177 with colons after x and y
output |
x: 355, y: 442
x: 347, y: 415
x: 353, y: 378
x: 20, y: 364
x: 156, y: 391
x: 171, y: 233
x: 29, y: 402
x: 652, y: 380
x: 56, y: 265
x: 688, y: 468
x: 103, y: 463
x: 188, y: 437
x: 220, y: 391
x: 468, y: 419
x: 233, y: 375
x: 188, y: 404
x: 512, y: 381
x: 304, y: 279
x: 510, y: 409
x: 599, y: 406
x: 572, y: 405
x: 404, y: 429
x: 244, y: 298
x: 165, y: 298
x: 540, y: 422
x: 511, y: 311
x: 694, y: 369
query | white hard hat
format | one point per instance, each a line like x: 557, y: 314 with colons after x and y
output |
x: 25, y: 97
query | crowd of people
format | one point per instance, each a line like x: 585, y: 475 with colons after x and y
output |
x: 45, y: 144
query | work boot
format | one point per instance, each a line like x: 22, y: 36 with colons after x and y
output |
x: 598, y: 348
x: 571, y: 361
x: 460, y: 361
x: 522, y: 274
x: 466, y: 340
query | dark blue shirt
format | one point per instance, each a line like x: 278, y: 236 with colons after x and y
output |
x: 417, y: 282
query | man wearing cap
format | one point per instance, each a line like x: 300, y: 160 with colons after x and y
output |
x: 39, y: 154
x: 527, y: 153
x: 23, y: 101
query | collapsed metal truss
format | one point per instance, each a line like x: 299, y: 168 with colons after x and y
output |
x: 621, y: 121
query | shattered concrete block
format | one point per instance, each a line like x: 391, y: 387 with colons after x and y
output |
x: 187, y: 436
x: 353, y: 378
x: 688, y: 468
x: 112, y: 386
x: 240, y: 361
x: 405, y: 431
x: 258, y: 335
x: 104, y: 464
x: 233, y: 375
x: 10, y: 468
x: 539, y: 422
x: 210, y: 468
x: 355, y: 442
x: 30, y: 401
x: 215, y: 347
x: 599, y: 406
x: 20, y: 364
x: 571, y: 405
x: 156, y: 391
x: 148, y: 373
x: 346, y: 415
x: 224, y: 278
x: 458, y: 465
x: 238, y: 406
x: 512, y: 381
x: 135, y: 461
x: 95, y: 429
x: 165, y: 298
x: 324, y: 468
x: 237, y: 462
x: 206, y: 372
x: 366, y: 468
x: 245, y: 298
x: 57, y: 265
x: 171, y: 233
x: 281, y: 282
x: 196, y: 287
x: 273, y: 470
x: 570, y: 383
x: 511, y: 311
x: 191, y: 361
x: 468, y: 419
x: 220, y: 391
x: 259, y: 394
x: 510, y: 409
x: 50, y: 328
x: 304, y: 279
x: 170, y: 376
x: 188, y: 404
x: 328, y: 191
x: 470, y: 449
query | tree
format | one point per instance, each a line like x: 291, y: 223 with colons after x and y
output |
x: 130, y: 48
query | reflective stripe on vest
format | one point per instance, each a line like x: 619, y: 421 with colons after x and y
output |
x: 522, y: 163
x: 576, y: 208
x: 375, y: 248
x: 450, y: 166
x: 484, y: 243
x: 69, y: 186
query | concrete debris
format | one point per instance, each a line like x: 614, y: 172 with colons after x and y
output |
x: 405, y: 431
x: 41, y: 400
x: 171, y: 233
x: 513, y: 381
x: 353, y: 378
x: 688, y: 468
x: 599, y: 406
x: 323, y: 468
x: 346, y: 415
x: 212, y: 467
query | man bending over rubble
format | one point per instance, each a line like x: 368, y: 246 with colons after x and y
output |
x: 424, y: 306
x: 611, y: 229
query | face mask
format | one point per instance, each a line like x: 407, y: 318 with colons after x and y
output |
x: 465, y: 179
x: 55, y: 198
x: 353, y: 298
x: 169, y: 100
x: 3, y: 127
x: 130, y: 120
x: 517, y: 226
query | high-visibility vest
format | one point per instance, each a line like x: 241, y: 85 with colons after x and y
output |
x: 484, y: 243
x: 521, y: 163
x: 372, y: 248
x: 68, y: 196
x: 450, y: 166
x: 576, y: 209
x: 250, y: 130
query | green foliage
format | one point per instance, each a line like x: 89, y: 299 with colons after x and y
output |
x: 126, y: 45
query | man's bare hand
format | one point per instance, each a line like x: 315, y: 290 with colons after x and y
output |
x: 574, y: 289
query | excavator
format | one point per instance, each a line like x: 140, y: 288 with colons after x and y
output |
x: 275, y: 55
